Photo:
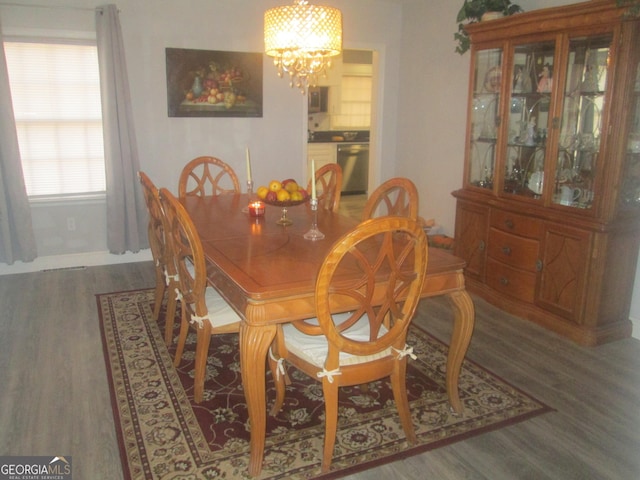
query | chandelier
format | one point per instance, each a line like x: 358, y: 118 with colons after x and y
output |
x: 302, y: 38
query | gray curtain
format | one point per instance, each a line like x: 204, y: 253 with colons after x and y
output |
x: 126, y: 211
x: 17, y: 241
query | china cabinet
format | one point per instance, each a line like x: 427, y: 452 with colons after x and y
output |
x: 548, y: 218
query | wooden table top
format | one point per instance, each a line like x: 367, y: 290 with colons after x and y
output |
x: 267, y: 260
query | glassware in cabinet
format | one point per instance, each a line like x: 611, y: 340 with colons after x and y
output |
x: 630, y: 191
x: 529, y: 119
x: 485, y: 102
x: 578, y: 156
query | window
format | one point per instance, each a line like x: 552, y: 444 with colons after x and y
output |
x: 356, y: 99
x: 355, y: 102
x: 55, y: 89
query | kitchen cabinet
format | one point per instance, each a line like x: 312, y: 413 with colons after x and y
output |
x: 321, y: 153
x: 548, y: 217
x: 472, y: 227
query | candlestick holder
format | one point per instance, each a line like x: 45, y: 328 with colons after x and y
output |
x: 249, y: 194
x: 284, y: 220
x: 314, y: 233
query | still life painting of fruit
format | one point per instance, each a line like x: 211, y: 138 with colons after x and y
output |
x: 209, y: 83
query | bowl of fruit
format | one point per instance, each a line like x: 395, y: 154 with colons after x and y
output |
x: 286, y: 193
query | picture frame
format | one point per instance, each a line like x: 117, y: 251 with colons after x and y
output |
x: 212, y: 83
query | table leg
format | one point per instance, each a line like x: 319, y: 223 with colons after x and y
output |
x: 254, y: 346
x: 464, y: 319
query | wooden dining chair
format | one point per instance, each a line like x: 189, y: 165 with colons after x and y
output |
x: 361, y: 327
x: 328, y: 180
x: 165, y: 282
x: 207, y: 176
x: 397, y: 196
x: 202, y: 305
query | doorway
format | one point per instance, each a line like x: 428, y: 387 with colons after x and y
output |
x: 346, y: 103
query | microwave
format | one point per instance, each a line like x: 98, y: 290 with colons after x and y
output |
x: 318, y: 99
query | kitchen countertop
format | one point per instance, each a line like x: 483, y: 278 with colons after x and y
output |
x: 337, y: 136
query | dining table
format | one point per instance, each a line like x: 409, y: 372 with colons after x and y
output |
x: 267, y: 272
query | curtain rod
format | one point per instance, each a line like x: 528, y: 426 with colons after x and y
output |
x: 53, y: 7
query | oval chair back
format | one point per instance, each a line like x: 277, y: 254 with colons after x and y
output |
x: 397, y: 196
x: 207, y: 176
x: 161, y: 255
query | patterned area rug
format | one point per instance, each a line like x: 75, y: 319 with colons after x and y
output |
x: 165, y: 435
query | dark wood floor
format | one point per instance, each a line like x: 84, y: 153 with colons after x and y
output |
x: 55, y: 400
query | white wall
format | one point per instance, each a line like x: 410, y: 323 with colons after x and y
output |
x: 420, y: 122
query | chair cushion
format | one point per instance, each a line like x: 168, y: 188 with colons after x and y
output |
x: 220, y: 313
x: 314, y: 348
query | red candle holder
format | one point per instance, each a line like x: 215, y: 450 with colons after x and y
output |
x: 256, y: 209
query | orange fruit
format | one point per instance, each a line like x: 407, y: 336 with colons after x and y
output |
x: 262, y: 192
x: 283, y: 195
x: 275, y: 186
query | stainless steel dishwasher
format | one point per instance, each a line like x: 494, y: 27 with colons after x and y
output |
x: 353, y: 158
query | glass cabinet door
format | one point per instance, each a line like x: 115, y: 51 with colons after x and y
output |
x: 484, y: 117
x: 581, y: 121
x: 630, y: 197
x: 529, y: 119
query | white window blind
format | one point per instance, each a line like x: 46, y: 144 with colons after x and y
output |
x: 355, y: 102
x: 55, y: 89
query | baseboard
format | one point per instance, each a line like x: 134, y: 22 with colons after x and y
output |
x: 75, y: 260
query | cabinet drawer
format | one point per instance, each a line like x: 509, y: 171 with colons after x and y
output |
x: 511, y: 281
x: 516, y: 251
x: 517, y: 224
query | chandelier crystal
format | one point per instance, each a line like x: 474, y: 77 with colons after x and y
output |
x: 302, y: 38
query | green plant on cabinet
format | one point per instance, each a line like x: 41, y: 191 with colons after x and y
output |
x: 473, y: 10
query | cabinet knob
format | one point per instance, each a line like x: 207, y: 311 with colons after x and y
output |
x: 506, y: 250
x: 509, y: 223
x: 481, y: 246
x: 538, y: 265
x: 504, y: 281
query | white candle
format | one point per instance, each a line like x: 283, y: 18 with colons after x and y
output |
x: 248, y: 166
x: 313, y: 179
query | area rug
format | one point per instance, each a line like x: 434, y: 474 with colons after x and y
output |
x: 164, y: 434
